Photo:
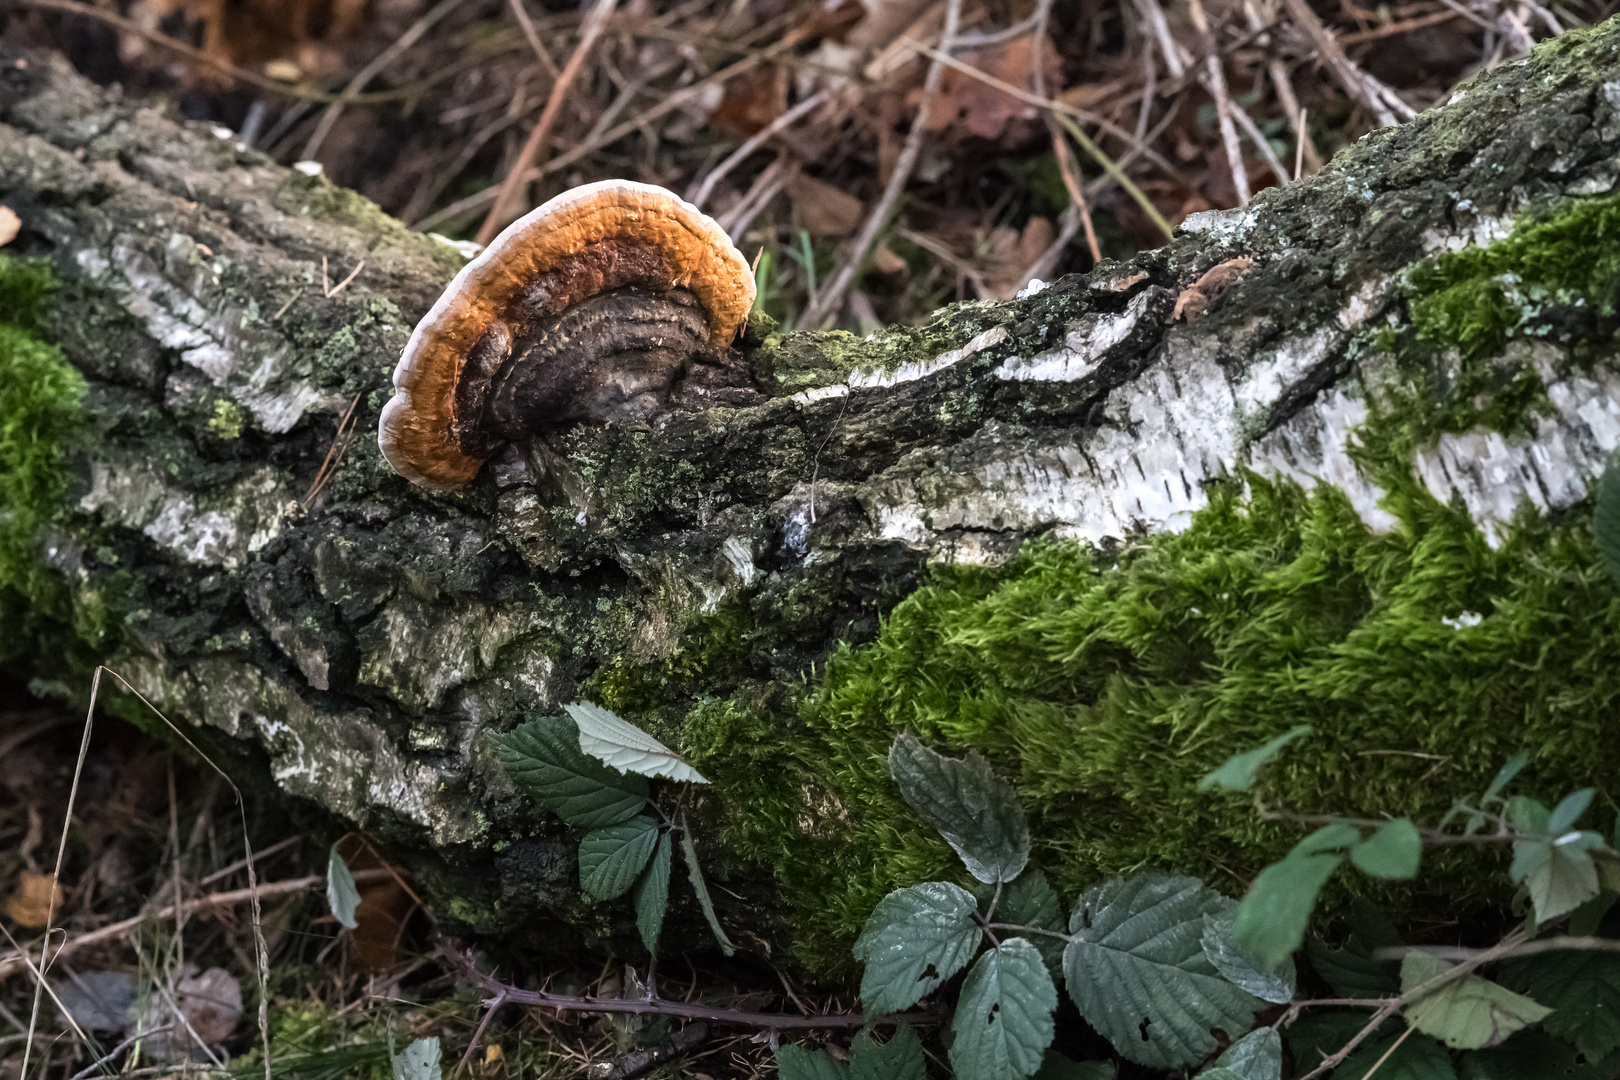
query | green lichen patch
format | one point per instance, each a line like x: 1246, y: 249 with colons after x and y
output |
x: 1564, y: 268
x: 1108, y: 683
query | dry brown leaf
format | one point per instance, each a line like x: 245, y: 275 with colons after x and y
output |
x: 30, y: 902
x: 887, y: 262
x: 1203, y: 292
x: 1011, y: 252
x: 380, y: 916
x: 752, y: 100
x: 824, y: 210
x: 211, y: 1003
x: 10, y: 223
x: 978, y: 109
x: 885, y: 20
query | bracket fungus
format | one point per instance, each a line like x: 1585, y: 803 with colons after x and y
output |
x: 611, y: 301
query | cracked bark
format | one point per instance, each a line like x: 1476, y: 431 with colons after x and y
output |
x: 361, y: 647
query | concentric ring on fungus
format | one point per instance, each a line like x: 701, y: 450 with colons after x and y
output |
x: 586, y: 307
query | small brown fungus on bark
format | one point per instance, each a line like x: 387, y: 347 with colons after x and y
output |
x: 615, y: 300
x: 1204, y: 292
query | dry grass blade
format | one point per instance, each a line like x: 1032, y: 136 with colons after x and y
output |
x: 534, y: 149
x: 825, y: 307
x: 364, y: 76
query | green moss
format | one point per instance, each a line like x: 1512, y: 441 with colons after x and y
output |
x: 1106, y: 685
x: 40, y: 415
x: 226, y: 423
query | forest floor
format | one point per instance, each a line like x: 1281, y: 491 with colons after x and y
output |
x: 825, y: 135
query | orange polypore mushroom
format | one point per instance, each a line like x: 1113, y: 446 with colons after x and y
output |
x: 590, y: 307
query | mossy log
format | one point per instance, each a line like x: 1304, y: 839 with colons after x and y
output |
x: 1109, y: 533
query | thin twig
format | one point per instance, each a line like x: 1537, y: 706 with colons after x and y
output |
x: 120, y: 1048
x: 1385, y: 104
x: 701, y: 193
x: 1250, y: 128
x: 824, y: 309
x: 410, y: 37
x: 764, y: 190
x: 533, y: 36
x: 275, y: 848
x: 534, y: 149
x: 1214, y: 80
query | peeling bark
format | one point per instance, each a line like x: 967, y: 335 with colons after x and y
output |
x: 363, y: 645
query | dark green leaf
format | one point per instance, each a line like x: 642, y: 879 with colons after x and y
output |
x: 1569, y: 811
x: 1239, y: 969
x: 1271, y: 920
x: 915, y: 940
x: 1466, y: 1012
x: 544, y: 760
x: 1505, y: 775
x: 651, y: 894
x: 1256, y: 1056
x: 1392, y: 851
x: 1352, y: 971
x: 1535, y: 1055
x: 901, y: 1058
x: 1058, y: 1067
x: 1417, y: 1058
x: 1319, y: 1033
x: 976, y: 812
x: 341, y: 895
x: 1003, y: 1022
x: 1606, y: 518
x: 1138, y: 973
x: 1583, y: 990
x: 695, y: 874
x: 797, y: 1063
x: 611, y: 859
x: 1559, y: 873
x: 1239, y: 771
x: 420, y: 1061
x: 1031, y: 901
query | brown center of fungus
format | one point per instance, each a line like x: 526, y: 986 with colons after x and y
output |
x: 596, y: 306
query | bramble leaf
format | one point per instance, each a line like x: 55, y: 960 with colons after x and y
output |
x: 1239, y: 771
x: 1467, y: 1012
x: 611, y: 859
x: 1536, y: 1055
x: 1417, y: 1058
x: 1559, y: 873
x: 901, y: 1058
x: 1582, y: 989
x: 694, y: 873
x: 420, y: 1061
x: 1003, y: 1021
x: 1569, y: 811
x: 1031, y: 901
x: 1057, y: 1067
x: 341, y: 895
x: 1606, y: 518
x: 915, y: 940
x: 651, y: 894
x: 1138, y: 973
x: 1256, y: 1056
x: 797, y: 1063
x: 1271, y: 919
x: 1239, y: 969
x: 1392, y: 851
x: 544, y: 760
x: 625, y: 747
x: 977, y: 812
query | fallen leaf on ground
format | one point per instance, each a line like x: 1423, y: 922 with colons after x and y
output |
x: 822, y: 209
x: 1012, y: 252
x: 30, y: 902
x: 977, y: 108
x: 9, y: 224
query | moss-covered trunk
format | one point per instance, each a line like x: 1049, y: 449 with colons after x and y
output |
x: 1424, y: 330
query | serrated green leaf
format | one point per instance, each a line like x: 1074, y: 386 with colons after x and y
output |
x: 1239, y: 969
x: 420, y: 1061
x: 1319, y: 1033
x: 623, y: 746
x: 1606, y: 518
x: 1528, y: 816
x: 1583, y: 990
x: 1271, y: 919
x: 1559, y: 873
x: 1138, y: 974
x: 341, y: 895
x: 977, y: 812
x: 1003, y: 1022
x: 694, y: 873
x: 901, y: 1058
x: 1465, y: 1013
x: 1569, y: 811
x: 797, y: 1063
x: 1535, y: 1055
x: 1418, y: 1057
x: 544, y: 760
x: 1031, y: 901
x: 651, y: 894
x: 1058, y: 1067
x: 1352, y: 971
x: 611, y: 859
x: 1392, y: 851
x: 1239, y: 770
x: 915, y: 940
x: 1256, y: 1056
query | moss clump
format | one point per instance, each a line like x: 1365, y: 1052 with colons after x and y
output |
x: 1565, y: 266
x: 40, y: 415
x: 1107, y: 684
